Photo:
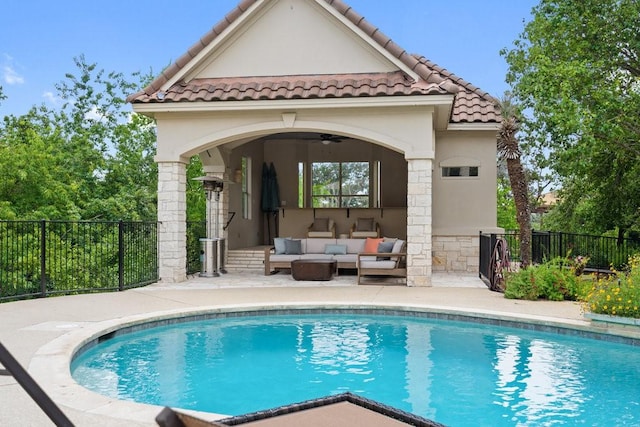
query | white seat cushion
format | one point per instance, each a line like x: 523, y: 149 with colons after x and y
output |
x: 377, y: 264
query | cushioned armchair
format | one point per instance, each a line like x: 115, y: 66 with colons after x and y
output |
x: 322, y: 227
x: 364, y: 227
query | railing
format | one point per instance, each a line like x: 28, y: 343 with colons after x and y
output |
x: 602, y: 253
x: 195, y: 231
x: 42, y: 258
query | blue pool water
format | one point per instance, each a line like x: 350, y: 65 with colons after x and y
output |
x: 457, y: 373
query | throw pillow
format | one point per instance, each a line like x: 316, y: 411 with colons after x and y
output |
x: 371, y: 245
x: 397, y: 246
x: 364, y: 224
x: 320, y: 224
x: 335, y: 249
x: 293, y: 247
x: 384, y: 248
x: 278, y: 243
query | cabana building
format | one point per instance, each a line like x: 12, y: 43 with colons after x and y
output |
x: 313, y: 88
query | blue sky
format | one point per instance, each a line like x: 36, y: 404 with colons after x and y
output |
x: 40, y: 38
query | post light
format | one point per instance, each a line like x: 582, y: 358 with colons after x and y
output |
x: 212, y: 252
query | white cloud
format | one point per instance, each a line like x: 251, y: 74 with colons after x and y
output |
x: 94, y: 114
x: 51, y: 98
x: 9, y: 74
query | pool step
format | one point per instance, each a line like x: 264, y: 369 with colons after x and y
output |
x: 246, y: 259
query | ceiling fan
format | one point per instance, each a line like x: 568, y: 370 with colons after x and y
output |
x: 327, y: 138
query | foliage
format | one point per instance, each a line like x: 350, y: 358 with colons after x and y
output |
x: 576, y: 69
x: 617, y: 294
x: 554, y: 280
x: 91, y: 158
x: 506, y: 206
x: 195, y: 194
x: 340, y: 184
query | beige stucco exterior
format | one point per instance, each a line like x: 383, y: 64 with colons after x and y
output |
x: 410, y: 136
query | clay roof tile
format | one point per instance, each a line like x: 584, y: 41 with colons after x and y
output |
x: 470, y: 103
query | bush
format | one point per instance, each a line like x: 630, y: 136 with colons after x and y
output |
x: 555, y: 280
x: 617, y: 294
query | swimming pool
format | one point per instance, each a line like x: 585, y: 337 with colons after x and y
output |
x: 457, y: 373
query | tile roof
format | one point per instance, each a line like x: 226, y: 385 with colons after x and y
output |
x: 294, y: 87
x: 471, y: 105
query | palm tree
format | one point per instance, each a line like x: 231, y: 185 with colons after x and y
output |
x: 509, y: 150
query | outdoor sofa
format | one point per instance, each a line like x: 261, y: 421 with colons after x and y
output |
x: 380, y: 257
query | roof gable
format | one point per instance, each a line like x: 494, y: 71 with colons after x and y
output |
x: 261, y: 50
x: 293, y: 37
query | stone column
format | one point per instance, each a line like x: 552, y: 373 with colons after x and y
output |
x: 172, y: 216
x: 419, y: 199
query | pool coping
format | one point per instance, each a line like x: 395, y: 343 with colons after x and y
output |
x: 51, y: 362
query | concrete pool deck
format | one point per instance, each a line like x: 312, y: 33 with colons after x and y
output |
x: 43, y: 333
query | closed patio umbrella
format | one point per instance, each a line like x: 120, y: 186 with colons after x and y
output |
x: 275, y: 197
x: 265, y: 194
x: 270, y: 197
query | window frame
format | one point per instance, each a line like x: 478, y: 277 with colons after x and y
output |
x: 305, y: 171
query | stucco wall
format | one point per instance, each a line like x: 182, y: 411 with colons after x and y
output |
x: 243, y: 233
x: 465, y: 206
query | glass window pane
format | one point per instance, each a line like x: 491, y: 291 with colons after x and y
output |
x: 355, y: 201
x: 336, y: 184
x: 246, y: 187
x: 326, y: 201
x: 460, y: 171
x: 325, y: 178
x: 355, y: 178
x: 301, y: 186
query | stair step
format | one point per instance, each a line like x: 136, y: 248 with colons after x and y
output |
x: 245, y: 259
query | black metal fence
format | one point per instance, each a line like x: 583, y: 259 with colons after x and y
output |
x: 42, y: 258
x: 602, y: 253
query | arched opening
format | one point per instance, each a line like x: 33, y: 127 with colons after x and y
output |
x: 319, y: 174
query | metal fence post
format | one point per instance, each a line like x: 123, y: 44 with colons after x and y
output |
x: 43, y: 258
x: 120, y: 256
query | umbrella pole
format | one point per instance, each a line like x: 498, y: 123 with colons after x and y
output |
x: 268, y: 228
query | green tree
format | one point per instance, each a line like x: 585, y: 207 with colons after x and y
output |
x: 196, y: 197
x: 576, y: 70
x: 33, y: 170
x: 90, y: 159
x: 506, y: 205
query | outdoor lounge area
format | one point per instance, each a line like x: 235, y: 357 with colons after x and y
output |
x: 371, y: 256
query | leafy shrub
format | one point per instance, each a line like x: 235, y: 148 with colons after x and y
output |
x: 617, y: 294
x: 555, y: 280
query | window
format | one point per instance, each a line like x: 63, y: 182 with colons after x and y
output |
x: 246, y: 187
x: 301, y: 184
x: 459, y: 171
x: 340, y: 185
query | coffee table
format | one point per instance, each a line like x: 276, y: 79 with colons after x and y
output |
x: 313, y: 269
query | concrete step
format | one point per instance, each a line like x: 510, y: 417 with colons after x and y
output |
x: 247, y: 259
